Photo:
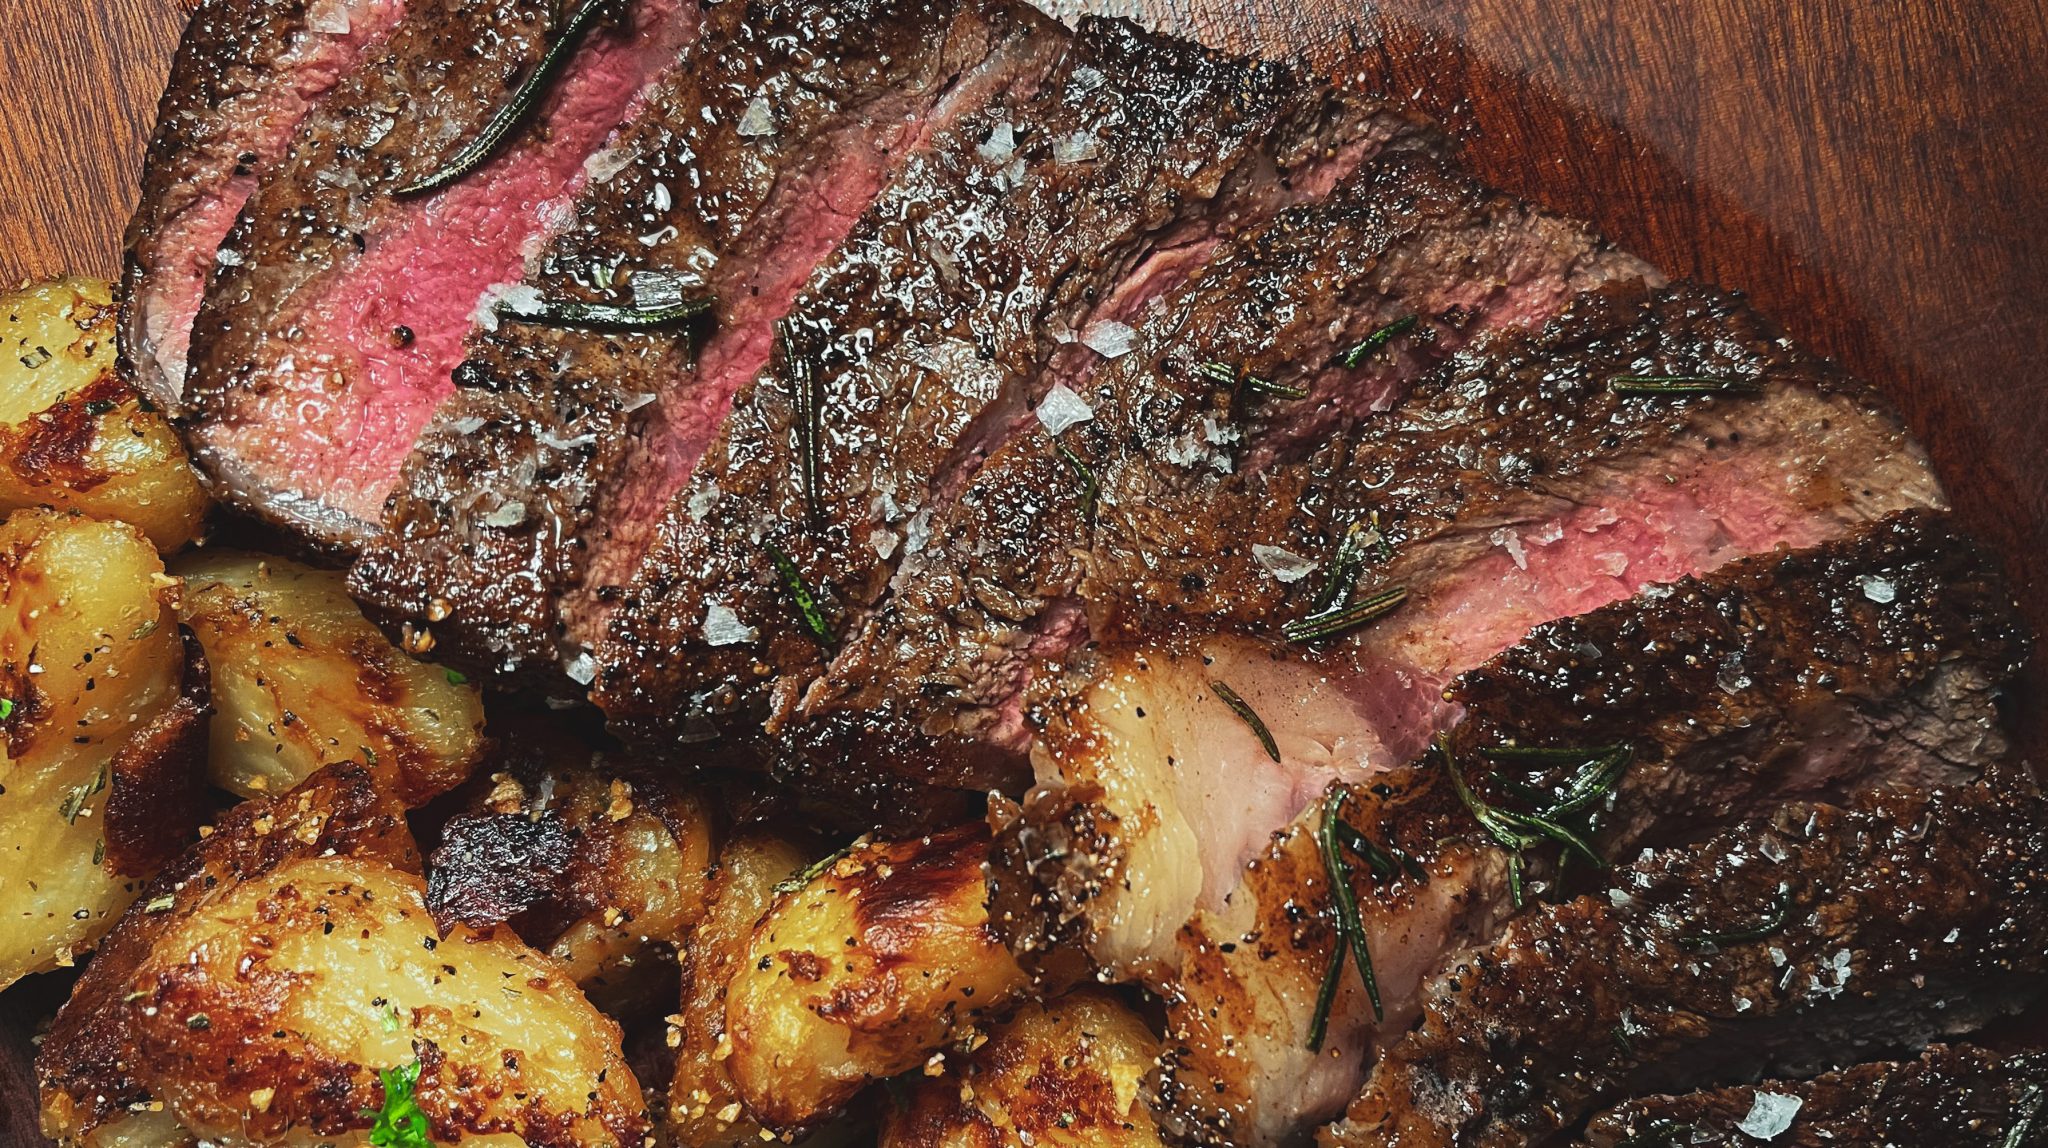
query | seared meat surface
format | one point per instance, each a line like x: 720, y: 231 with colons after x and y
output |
x: 328, y: 336
x: 532, y: 494
x: 1004, y: 264
x: 246, y: 73
x: 1952, y: 1095
x: 1807, y: 940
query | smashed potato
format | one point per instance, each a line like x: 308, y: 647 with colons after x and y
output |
x: 602, y: 870
x: 274, y: 983
x: 302, y: 679
x: 704, y: 1106
x: 1061, y: 1075
x: 90, y: 658
x: 73, y: 434
x: 877, y: 961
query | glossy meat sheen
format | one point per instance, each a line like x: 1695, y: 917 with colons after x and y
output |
x: 327, y: 338
x: 1884, y: 926
x: 533, y: 492
x: 940, y: 668
x: 927, y: 339
x: 247, y: 72
x: 1953, y: 1096
x: 1837, y: 692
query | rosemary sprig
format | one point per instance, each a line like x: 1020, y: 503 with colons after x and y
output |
x: 516, y: 110
x: 400, y: 1123
x: 1331, y: 622
x: 1090, y: 492
x: 2025, y: 1110
x: 1350, y: 927
x: 1682, y: 385
x: 1244, y: 710
x: 1236, y: 379
x: 808, y: 873
x: 604, y: 316
x: 1601, y: 766
x: 808, y: 613
x: 1385, y: 863
x: 1772, y: 922
x: 1518, y: 832
x: 807, y: 401
x: 1376, y: 340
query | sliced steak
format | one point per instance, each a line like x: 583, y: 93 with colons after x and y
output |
x: 246, y: 73
x: 328, y: 335
x: 925, y: 342
x: 532, y: 494
x: 1837, y: 691
x: 1811, y: 939
x: 1953, y: 1096
x: 1410, y: 243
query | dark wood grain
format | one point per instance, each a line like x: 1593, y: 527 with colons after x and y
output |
x: 1872, y: 172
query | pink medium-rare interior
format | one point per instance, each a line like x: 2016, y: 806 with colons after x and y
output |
x: 358, y: 393
x: 259, y: 123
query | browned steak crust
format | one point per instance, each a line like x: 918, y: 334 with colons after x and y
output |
x: 1814, y: 938
x: 1952, y: 1096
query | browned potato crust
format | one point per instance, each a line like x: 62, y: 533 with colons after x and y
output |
x: 704, y: 1107
x: 73, y: 434
x: 603, y: 870
x: 89, y: 657
x: 1060, y: 1075
x: 302, y: 679
x: 865, y: 971
x: 264, y: 981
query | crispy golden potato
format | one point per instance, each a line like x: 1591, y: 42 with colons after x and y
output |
x: 604, y: 871
x: 302, y: 679
x: 1060, y: 1075
x: 73, y: 434
x: 271, y: 978
x: 90, y: 658
x: 704, y: 1106
x: 867, y: 969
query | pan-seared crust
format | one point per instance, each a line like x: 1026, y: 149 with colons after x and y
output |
x: 1953, y: 1096
x: 1815, y: 937
x: 156, y: 789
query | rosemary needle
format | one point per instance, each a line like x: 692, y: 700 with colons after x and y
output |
x: 1090, y: 491
x: 1772, y: 922
x: 1244, y: 710
x: 813, y: 619
x: 605, y: 315
x: 1350, y: 928
x: 1329, y: 623
x: 1376, y: 340
x: 1682, y: 385
x: 516, y: 110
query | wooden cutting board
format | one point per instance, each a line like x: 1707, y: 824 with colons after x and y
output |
x: 1873, y: 172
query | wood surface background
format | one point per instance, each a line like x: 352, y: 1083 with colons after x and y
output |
x: 1873, y: 172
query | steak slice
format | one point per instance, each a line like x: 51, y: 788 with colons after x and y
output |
x: 1781, y: 676
x: 1811, y: 939
x: 1956, y: 1096
x: 936, y: 674
x: 530, y: 497
x: 1035, y: 220
x: 246, y: 73
x: 328, y: 335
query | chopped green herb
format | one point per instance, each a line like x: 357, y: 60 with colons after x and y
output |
x: 389, y: 1019
x: 99, y: 851
x: 97, y: 407
x: 400, y: 1123
x: 1222, y: 373
x: 808, y: 873
x: 6, y: 708
x: 74, y: 801
x: 1350, y: 927
x: 807, y: 610
x: 1773, y: 920
x: 604, y: 316
x: 2024, y: 1112
x: 1518, y: 832
x: 144, y: 630
x: 1349, y: 559
x: 522, y: 104
x: 1376, y: 340
x: 1682, y: 385
x: 457, y: 678
x: 369, y: 755
x: 807, y: 401
x: 1232, y: 377
x: 160, y: 904
x: 1335, y: 621
x: 1243, y: 710
x: 1090, y: 492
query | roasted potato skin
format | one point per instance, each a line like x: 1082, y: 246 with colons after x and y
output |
x: 302, y: 679
x: 267, y: 978
x: 704, y: 1106
x: 74, y: 435
x: 876, y: 962
x: 89, y: 656
x: 1064, y: 1074
x: 603, y: 869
